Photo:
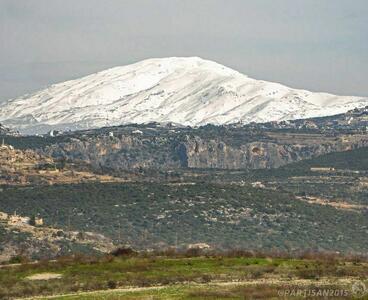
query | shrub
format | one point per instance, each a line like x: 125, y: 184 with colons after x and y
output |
x: 124, y: 252
x: 111, y: 284
x: 19, y: 259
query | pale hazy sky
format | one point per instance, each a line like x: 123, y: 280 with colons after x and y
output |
x: 320, y: 45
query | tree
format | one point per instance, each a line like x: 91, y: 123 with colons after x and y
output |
x: 32, y: 221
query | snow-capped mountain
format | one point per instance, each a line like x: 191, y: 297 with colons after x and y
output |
x: 187, y: 91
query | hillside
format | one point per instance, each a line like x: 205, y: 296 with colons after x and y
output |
x: 279, y: 185
x: 187, y: 91
x: 21, y: 240
x: 348, y: 160
x: 25, y: 167
x: 152, y: 215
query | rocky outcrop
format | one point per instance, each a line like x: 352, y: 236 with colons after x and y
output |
x: 127, y: 152
x: 262, y: 155
x: 24, y: 167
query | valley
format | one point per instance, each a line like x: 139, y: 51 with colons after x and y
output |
x: 288, y: 185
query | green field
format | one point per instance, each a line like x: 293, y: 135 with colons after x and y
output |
x: 179, y: 277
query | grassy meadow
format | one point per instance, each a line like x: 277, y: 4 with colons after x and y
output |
x: 148, y: 276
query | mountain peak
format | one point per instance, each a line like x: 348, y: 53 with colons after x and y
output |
x: 184, y: 90
x: 178, y: 63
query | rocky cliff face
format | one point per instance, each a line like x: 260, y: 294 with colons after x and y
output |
x: 154, y: 146
x: 131, y: 151
x: 199, y: 153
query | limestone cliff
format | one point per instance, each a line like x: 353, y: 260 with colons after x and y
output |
x: 127, y: 151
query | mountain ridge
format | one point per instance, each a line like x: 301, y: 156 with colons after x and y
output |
x: 189, y: 91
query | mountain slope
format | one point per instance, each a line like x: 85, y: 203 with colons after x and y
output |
x: 188, y: 91
x: 6, y: 131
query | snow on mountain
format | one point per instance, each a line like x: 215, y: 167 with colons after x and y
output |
x: 187, y: 91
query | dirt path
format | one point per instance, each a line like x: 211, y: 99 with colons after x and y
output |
x: 44, y: 276
x: 23, y: 264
